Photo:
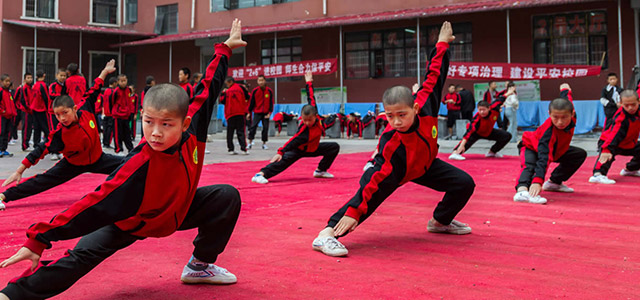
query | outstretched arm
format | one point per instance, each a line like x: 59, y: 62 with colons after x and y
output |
x: 93, y: 93
x: 311, y: 98
x: 430, y: 93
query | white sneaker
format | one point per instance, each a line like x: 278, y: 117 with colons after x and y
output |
x: 323, y: 174
x: 259, y: 179
x: 207, y: 151
x: 601, y: 179
x: 329, y: 246
x: 456, y: 156
x: 245, y: 152
x: 265, y: 147
x: 456, y: 227
x: 2, y: 206
x: 250, y: 146
x: 233, y: 152
x: 211, y: 275
x: 60, y: 156
x: 367, y: 166
x: 491, y: 154
x: 13, y: 142
x: 554, y: 187
x: 30, y: 143
x: 525, y: 197
x: 624, y: 172
x: 54, y: 157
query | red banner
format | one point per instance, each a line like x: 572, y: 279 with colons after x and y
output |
x: 297, y: 68
x: 505, y: 71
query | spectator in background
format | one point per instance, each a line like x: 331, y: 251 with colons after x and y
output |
x: 468, y: 103
x: 511, y: 112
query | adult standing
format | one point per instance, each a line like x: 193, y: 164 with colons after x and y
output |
x: 468, y: 103
x: 511, y: 113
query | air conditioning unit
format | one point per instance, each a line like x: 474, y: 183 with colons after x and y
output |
x: 231, y: 4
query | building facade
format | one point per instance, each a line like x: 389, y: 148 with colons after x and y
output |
x: 378, y: 43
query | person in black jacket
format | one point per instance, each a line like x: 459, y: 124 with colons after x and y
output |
x: 610, y: 98
x: 468, y: 103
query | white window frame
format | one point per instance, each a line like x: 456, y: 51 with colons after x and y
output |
x: 92, y: 52
x: 24, y: 59
x: 124, y: 13
x: 25, y: 17
x: 118, y: 16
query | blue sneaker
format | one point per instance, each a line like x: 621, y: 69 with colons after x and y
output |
x: 7, y: 154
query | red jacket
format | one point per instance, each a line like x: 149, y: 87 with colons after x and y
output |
x: 235, y: 100
x: 484, y: 126
x: 457, y: 101
x: 307, y: 138
x: 40, y: 97
x: 550, y: 142
x: 490, y: 96
x: 105, y: 99
x: 140, y: 197
x: 261, y: 101
x: 79, y: 142
x: 122, y: 103
x: 7, y: 106
x: 56, y: 89
x: 23, y: 98
x: 76, y: 87
x: 623, y: 133
x: 188, y: 88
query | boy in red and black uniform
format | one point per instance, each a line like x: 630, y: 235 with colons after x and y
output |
x: 354, y: 125
x: 75, y: 83
x: 381, y: 123
x: 183, y: 76
x: 108, y: 122
x: 141, y: 200
x: 23, y: 101
x: 56, y: 89
x: 7, y: 114
x: 121, y: 110
x: 280, y: 118
x: 39, y: 106
x: 407, y: 152
x: 610, y: 98
x: 549, y: 143
x: 620, y: 137
x: 453, y: 102
x: 481, y: 127
x: 491, y: 95
x: 76, y: 137
x: 261, y: 105
x: 305, y: 143
x: 236, y: 104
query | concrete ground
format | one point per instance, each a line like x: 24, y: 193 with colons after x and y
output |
x: 218, y: 148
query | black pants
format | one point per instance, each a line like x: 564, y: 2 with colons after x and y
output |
x: 254, y: 127
x: 99, y: 122
x: 5, y: 132
x: 441, y: 176
x: 16, y: 122
x: 123, y: 135
x: 40, y: 126
x: 569, y: 163
x: 236, y: 124
x: 467, y: 115
x: 108, y: 129
x: 27, y: 130
x: 501, y: 137
x: 328, y: 151
x: 132, y: 125
x: 214, y: 211
x: 632, y: 165
x: 452, y: 116
x: 60, y: 173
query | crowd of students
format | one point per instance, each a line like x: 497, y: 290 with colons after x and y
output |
x: 128, y: 206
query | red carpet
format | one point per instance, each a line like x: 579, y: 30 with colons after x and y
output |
x: 584, y: 245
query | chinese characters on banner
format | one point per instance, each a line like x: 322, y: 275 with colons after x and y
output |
x: 505, y: 71
x: 296, y: 68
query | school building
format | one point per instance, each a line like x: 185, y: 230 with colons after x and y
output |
x: 376, y: 43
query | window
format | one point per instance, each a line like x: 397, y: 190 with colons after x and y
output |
x: 460, y: 49
x: 105, y: 12
x: 289, y: 50
x: 166, y: 19
x: 131, y: 69
x: 47, y: 61
x: 572, y: 38
x: 131, y: 9
x: 221, y: 5
x: 98, y: 60
x: 40, y: 9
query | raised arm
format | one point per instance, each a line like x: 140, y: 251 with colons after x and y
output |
x: 201, y: 109
x: 430, y: 93
x: 91, y: 97
x: 311, y: 98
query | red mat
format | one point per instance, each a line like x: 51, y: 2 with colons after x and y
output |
x: 584, y: 245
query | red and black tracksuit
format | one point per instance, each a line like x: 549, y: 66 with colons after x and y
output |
x: 108, y: 123
x: 280, y: 118
x: 411, y: 156
x: 261, y: 104
x: 453, y: 109
x: 188, y: 88
x: 7, y: 114
x: 139, y: 200
x: 620, y: 138
x: 305, y: 143
x: 609, y: 103
x: 39, y: 103
x: 56, y: 89
x: 23, y: 103
x: 236, y: 104
x: 354, y: 126
x: 122, y: 107
x: 491, y: 96
x: 76, y: 87
x: 79, y: 143
x: 549, y: 144
x: 482, y: 128
x: 381, y: 123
